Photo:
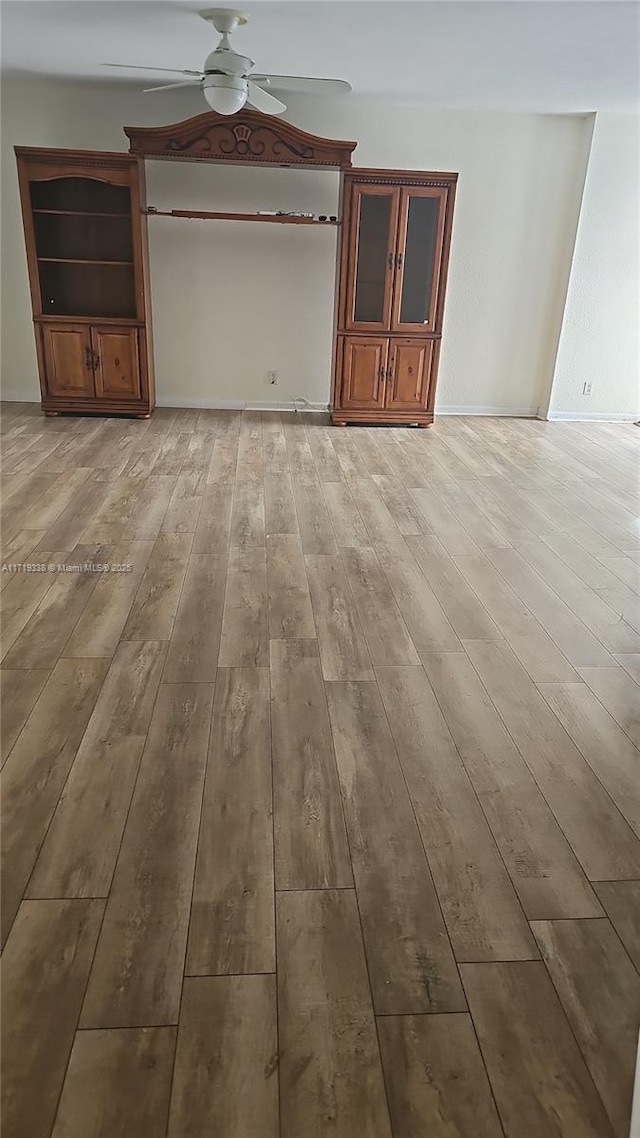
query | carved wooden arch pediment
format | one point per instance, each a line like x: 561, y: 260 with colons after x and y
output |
x: 247, y: 136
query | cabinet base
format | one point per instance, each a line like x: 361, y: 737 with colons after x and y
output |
x: 340, y: 418
x: 93, y: 407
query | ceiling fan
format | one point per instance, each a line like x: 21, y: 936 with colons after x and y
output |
x: 226, y: 79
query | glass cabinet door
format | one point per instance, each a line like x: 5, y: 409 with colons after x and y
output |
x: 374, y: 220
x: 417, y: 262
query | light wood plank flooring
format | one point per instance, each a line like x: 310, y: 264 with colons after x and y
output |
x: 321, y: 808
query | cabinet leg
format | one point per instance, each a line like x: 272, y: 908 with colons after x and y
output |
x: 423, y: 426
x: 148, y: 416
x: 52, y: 414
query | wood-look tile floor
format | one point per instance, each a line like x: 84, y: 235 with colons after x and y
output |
x: 323, y: 817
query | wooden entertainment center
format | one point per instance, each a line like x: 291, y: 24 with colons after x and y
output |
x: 85, y: 222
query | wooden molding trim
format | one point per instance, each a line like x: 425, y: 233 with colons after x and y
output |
x: 245, y: 137
x: 378, y: 177
x: 96, y: 159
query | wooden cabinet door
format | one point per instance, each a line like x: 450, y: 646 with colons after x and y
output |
x: 68, y: 361
x: 408, y: 374
x: 371, y: 257
x: 363, y: 372
x: 116, y: 362
x: 418, y: 258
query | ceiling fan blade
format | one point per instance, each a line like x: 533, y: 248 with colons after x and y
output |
x: 171, y: 86
x: 137, y: 67
x: 303, y: 84
x: 263, y: 101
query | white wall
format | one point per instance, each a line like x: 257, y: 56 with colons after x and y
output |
x: 233, y: 301
x: 600, y: 343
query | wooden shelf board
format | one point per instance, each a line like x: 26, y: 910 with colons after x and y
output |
x: 59, y: 318
x: 85, y: 318
x: 82, y: 213
x: 79, y: 261
x: 270, y: 217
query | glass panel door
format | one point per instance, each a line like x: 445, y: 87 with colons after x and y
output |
x: 371, y: 257
x: 418, y: 259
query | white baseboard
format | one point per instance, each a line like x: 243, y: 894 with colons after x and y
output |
x: 292, y: 405
x: 242, y: 404
x: 203, y: 404
x: 593, y: 417
x: 499, y: 412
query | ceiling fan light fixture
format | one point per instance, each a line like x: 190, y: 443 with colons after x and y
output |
x: 225, y: 94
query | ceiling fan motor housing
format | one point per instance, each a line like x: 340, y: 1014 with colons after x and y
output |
x: 227, y: 62
x: 228, y: 82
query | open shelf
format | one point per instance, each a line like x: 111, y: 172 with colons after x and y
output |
x: 86, y: 288
x: 70, y: 236
x: 217, y: 216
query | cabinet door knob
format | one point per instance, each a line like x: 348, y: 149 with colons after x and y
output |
x: 96, y: 361
x: 88, y: 358
x: 382, y: 374
x: 399, y: 260
x: 390, y: 260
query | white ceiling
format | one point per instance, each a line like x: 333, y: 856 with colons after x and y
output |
x: 514, y: 55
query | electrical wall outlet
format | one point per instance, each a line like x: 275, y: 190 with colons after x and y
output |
x: 272, y: 377
x: 587, y: 388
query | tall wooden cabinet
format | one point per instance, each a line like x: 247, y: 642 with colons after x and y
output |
x: 85, y: 217
x: 396, y: 232
x: 87, y: 255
